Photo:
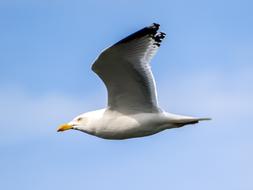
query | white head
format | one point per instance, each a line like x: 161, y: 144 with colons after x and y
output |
x: 78, y: 123
x: 86, y: 122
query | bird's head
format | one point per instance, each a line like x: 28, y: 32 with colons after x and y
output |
x: 78, y: 123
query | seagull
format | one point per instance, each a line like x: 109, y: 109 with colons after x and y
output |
x: 132, y: 109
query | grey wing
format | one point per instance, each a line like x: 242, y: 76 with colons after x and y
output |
x: 125, y: 70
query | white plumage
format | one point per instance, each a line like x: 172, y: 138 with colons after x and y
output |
x: 132, y: 109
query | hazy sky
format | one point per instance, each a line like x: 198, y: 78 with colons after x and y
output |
x: 204, y: 68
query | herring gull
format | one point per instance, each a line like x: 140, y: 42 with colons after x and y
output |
x: 132, y: 109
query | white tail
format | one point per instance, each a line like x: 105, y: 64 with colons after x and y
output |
x: 186, y: 121
x: 204, y: 119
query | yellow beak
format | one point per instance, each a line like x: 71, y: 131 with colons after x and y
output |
x: 64, y: 127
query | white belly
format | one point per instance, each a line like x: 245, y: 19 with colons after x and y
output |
x: 118, y: 126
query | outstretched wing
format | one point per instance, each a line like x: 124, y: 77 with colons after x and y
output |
x: 125, y: 70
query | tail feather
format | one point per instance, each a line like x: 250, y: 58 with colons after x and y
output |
x: 187, y: 121
x: 204, y: 119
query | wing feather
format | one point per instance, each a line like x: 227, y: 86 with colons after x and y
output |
x: 125, y: 70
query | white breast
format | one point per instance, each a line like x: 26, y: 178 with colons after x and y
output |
x: 114, y: 125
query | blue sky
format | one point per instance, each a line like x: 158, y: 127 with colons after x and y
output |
x: 204, y: 68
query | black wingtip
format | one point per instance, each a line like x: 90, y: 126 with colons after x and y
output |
x: 151, y: 30
x: 155, y: 26
x: 155, y: 35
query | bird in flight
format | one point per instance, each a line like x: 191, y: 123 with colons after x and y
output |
x: 132, y: 109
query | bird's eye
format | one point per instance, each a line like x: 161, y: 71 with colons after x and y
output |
x: 79, y: 119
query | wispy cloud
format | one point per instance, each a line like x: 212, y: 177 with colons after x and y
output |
x: 223, y: 97
x: 25, y: 115
x: 217, y: 93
